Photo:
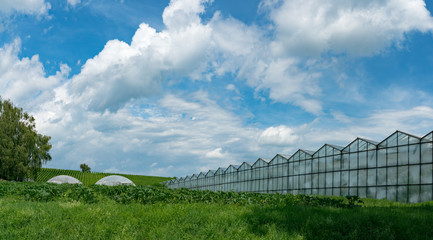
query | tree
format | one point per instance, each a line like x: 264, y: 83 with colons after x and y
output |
x: 22, y: 149
x: 84, y: 167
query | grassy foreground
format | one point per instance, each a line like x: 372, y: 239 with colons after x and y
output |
x: 184, y: 214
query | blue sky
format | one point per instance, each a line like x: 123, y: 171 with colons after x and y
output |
x: 172, y: 88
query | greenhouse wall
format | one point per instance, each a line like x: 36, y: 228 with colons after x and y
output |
x: 398, y: 169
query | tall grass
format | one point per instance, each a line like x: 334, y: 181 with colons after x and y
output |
x: 48, y: 211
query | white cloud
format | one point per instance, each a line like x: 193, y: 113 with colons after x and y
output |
x: 31, y: 7
x: 280, y: 135
x: 216, y: 153
x: 360, y: 28
x: 73, y: 3
x: 22, y: 80
x: 121, y: 72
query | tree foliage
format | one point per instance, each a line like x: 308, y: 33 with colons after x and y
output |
x: 84, y: 167
x: 22, y: 149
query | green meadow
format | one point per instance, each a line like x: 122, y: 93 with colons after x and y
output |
x: 49, y: 211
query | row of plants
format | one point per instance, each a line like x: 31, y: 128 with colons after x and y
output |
x: 160, y: 194
x: 89, y: 178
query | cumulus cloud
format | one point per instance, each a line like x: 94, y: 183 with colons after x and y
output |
x: 359, y: 28
x: 280, y: 135
x: 31, y: 7
x: 22, y: 80
x: 121, y: 72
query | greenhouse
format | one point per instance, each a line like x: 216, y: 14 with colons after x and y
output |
x: 114, y: 180
x: 399, y: 168
x: 64, y: 179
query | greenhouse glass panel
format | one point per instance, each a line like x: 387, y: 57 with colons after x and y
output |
x: 336, y: 192
x: 402, y: 193
x: 302, y: 181
x: 285, y: 169
x: 403, y: 155
x: 403, y: 139
x: 308, y: 181
x: 336, y: 180
x: 413, y: 140
x: 354, y: 146
x: 414, y: 154
x: 427, y: 138
x: 381, y: 157
x: 345, y: 161
x: 371, y: 192
x: 302, y: 167
x: 414, y: 194
x: 337, y: 162
x: 426, y: 173
x: 381, y: 192
x: 403, y: 175
x: 353, y: 161
x: 345, y: 178
x: 329, y: 164
x: 296, y: 168
x: 291, y: 183
x: 391, y: 193
x: 322, y: 180
x: 329, y: 179
x: 322, y: 164
x: 344, y: 191
x: 362, y: 159
x: 322, y: 151
x: 353, y: 191
x: 308, y: 166
x: 322, y: 191
x: 414, y: 174
x: 362, y: 192
x: 296, y: 182
x: 290, y: 168
x: 362, y: 145
x: 392, y: 176
x: 426, y: 152
x: 328, y: 191
x: 315, y: 165
x: 353, y: 178
x: 329, y: 151
x: 426, y: 193
x: 392, y: 156
x: 315, y: 180
x: 270, y: 183
x: 371, y: 159
x: 381, y: 176
x: 362, y: 177
x: 371, y: 178
x: 391, y: 141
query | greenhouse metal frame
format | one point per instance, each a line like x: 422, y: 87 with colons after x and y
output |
x: 398, y: 169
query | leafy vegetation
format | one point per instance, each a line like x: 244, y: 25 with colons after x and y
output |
x: 158, y: 194
x: 49, y: 211
x: 22, y: 149
x: 88, y: 178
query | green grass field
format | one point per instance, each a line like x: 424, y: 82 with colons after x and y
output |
x: 49, y: 211
x: 91, y: 178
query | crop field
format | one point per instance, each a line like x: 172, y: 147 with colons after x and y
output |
x: 91, y: 178
x: 49, y: 211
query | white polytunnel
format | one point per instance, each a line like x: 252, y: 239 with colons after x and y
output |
x: 114, y: 180
x: 64, y: 179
